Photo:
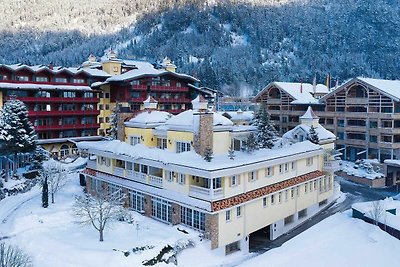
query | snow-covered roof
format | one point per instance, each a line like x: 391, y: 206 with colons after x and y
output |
x: 186, y: 120
x: 193, y: 160
x: 55, y: 70
x: 386, y: 218
x: 323, y: 134
x: 239, y: 115
x: 395, y: 162
x: 309, y: 114
x: 391, y: 88
x: 33, y: 86
x: 348, y: 168
x: 149, y: 118
x: 301, y: 92
x: 145, y: 69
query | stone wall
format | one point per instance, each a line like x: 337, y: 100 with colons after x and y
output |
x: 211, y: 232
x: 122, y: 117
x: 176, y: 214
x: 147, y: 205
x: 203, y: 137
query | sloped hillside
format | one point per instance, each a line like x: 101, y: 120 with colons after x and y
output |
x: 233, y: 45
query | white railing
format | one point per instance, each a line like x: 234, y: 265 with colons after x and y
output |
x: 205, y: 193
x: 332, y: 165
x: 156, y: 180
x: 91, y: 164
x: 119, y: 172
x: 136, y: 176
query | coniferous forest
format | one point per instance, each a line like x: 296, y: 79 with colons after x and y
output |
x: 237, y: 46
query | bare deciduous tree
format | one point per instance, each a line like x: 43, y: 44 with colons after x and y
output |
x: 376, y: 212
x: 99, y: 209
x: 11, y: 256
x: 56, y: 176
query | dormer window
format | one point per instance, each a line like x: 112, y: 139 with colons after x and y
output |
x: 182, y: 147
x: 42, y: 79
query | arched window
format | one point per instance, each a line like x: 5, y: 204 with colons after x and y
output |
x: 64, y: 151
x: 274, y: 93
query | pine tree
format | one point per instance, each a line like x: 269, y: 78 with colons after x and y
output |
x: 113, y: 131
x: 266, y: 132
x: 251, y: 143
x: 313, y: 135
x: 45, y: 194
x: 208, y: 154
x: 231, y: 153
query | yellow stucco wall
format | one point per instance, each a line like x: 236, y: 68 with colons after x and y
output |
x: 221, y: 142
x: 112, y: 67
x: 1, y: 100
x: 148, y: 139
x: 173, y: 137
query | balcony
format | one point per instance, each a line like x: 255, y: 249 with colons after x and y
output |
x: 356, y: 101
x: 43, y: 113
x: 331, y: 166
x: 205, y: 193
x: 274, y: 101
x: 59, y: 99
x: 91, y: 164
x: 66, y: 127
x: 159, y: 88
x: 119, y: 171
x: 173, y: 100
x: 156, y: 181
x: 136, y: 176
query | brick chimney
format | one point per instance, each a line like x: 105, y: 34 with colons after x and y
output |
x: 203, y: 125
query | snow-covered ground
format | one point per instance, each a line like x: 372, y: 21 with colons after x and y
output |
x: 52, y: 237
x: 336, y: 241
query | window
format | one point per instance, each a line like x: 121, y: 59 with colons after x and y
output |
x: 298, y: 190
x: 269, y: 171
x: 136, y: 200
x: 60, y: 80
x: 135, y: 82
x: 286, y: 195
x: 272, y: 199
x: 42, y: 79
x: 288, y: 220
x: 309, y: 161
x: 107, y: 107
x: 170, y: 176
x: 217, y: 183
x: 286, y: 167
x: 373, y: 139
x: 228, y: 216
x: 75, y: 80
x: 265, y: 202
x: 302, y: 213
x: 101, y: 120
x: 181, y: 178
x: 238, y: 211
x: 305, y: 187
x: 280, y: 197
x: 22, y: 78
x: 134, y: 140
x: 87, y: 94
x: 315, y: 184
x: 281, y: 168
x: 193, y: 218
x: 182, y: 147
x: 144, y: 169
x: 178, y: 84
x: 234, y: 180
x: 161, y: 209
x: 252, y: 176
x: 68, y: 94
x: 162, y: 143
x: 293, y: 165
x: 292, y: 192
x: 107, y: 95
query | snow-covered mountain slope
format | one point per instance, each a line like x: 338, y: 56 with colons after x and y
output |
x: 231, y: 44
